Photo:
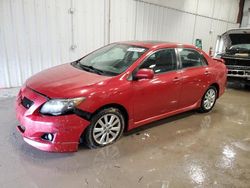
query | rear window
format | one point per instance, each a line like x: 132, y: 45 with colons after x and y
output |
x: 191, y: 58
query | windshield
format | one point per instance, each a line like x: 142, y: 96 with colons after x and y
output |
x: 112, y: 59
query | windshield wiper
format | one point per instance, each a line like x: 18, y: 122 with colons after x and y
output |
x: 91, y: 69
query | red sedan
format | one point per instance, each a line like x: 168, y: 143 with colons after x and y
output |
x: 115, y: 89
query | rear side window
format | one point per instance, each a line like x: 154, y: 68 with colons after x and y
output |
x: 191, y: 58
x: 161, y: 61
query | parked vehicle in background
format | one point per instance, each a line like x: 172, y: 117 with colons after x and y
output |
x: 115, y: 89
x: 234, y: 47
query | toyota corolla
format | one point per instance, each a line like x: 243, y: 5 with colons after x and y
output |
x: 114, y: 89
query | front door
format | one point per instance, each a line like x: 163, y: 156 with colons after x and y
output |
x: 159, y: 95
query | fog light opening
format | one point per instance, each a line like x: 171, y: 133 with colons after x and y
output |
x: 48, y: 136
x: 21, y: 128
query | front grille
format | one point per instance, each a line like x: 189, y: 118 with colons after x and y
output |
x: 236, y: 72
x: 237, y: 62
x: 236, y: 67
x: 27, y: 103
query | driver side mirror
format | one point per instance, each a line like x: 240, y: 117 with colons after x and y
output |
x: 144, y: 74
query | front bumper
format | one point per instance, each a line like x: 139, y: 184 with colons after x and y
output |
x: 239, y: 73
x: 66, y: 129
x: 238, y: 67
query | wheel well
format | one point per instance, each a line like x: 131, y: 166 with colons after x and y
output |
x: 118, y: 106
x: 217, y: 87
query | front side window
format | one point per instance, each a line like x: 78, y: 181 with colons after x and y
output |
x: 191, y: 58
x: 112, y: 59
x: 161, y: 61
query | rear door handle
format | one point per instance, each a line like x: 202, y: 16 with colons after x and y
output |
x: 207, y: 73
x: 176, y: 79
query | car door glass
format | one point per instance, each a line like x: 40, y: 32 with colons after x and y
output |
x: 191, y: 58
x: 161, y: 61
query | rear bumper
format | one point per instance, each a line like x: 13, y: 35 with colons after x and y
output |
x: 66, y: 130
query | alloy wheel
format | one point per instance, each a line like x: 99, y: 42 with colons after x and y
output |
x: 106, y: 129
x: 209, y: 99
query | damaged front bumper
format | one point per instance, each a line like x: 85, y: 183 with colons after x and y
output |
x: 64, y: 131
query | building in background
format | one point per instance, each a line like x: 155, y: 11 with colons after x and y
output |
x: 246, y: 14
x: 37, y: 34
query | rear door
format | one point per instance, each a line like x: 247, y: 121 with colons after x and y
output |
x: 196, y: 76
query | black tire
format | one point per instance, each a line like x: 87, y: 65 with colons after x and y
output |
x: 247, y: 85
x: 203, y: 108
x: 89, y: 139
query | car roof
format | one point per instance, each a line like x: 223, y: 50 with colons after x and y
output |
x: 157, y: 44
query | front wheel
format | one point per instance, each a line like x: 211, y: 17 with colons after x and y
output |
x: 209, y: 99
x: 105, y: 128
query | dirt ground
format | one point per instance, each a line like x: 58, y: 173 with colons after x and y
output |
x: 187, y: 150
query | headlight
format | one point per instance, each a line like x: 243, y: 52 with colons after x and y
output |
x: 60, y: 106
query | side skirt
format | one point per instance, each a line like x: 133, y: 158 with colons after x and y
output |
x: 165, y: 115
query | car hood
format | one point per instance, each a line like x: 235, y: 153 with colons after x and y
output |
x: 64, y: 81
x: 236, y: 36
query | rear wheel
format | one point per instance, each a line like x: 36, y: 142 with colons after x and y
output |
x: 105, y: 128
x: 209, y: 99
